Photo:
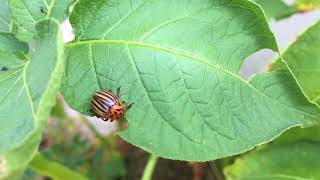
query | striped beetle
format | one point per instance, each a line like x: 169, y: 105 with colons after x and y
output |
x: 108, y: 106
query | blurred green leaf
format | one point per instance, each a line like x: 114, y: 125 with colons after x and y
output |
x: 307, y: 5
x: 58, y: 110
x: 30, y: 90
x: 69, y: 152
x: 299, y: 134
x: 29, y: 174
x: 281, y: 161
x: 276, y: 9
x: 79, y: 155
x: 114, y: 168
x: 26, y: 13
x: 303, y: 60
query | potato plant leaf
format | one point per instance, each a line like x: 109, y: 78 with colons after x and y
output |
x: 303, y: 60
x: 180, y: 68
x: 26, y: 13
x: 28, y: 87
x: 287, y: 161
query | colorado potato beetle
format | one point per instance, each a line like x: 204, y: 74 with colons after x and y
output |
x: 108, y: 106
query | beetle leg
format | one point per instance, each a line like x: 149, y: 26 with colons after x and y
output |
x: 92, y: 111
x: 43, y: 11
x: 129, y: 106
x: 118, y: 91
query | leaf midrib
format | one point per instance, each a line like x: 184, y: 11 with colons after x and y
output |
x: 181, y: 53
x: 50, y: 8
x: 24, y: 74
x: 165, y: 120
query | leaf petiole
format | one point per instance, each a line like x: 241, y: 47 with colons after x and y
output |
x: 53, y: 169
x: 148, y: 171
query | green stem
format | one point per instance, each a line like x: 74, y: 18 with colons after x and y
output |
x: 148, y: 171
x: 52, y: 169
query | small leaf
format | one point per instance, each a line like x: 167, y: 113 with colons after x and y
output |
x: 276, y: 8
x: 26, y: 13
x: 299, y: 134
x: 5, y: 15
x: 28, y: 93
x: 180, y: 68
x: 291, y: 161
x: 307, y: 5
x: 303, y: 60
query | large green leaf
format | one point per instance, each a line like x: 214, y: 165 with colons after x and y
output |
x: 28, y: 92
x: 291, y: 161
x: 178, y: 61
x: 5, y: 16
x: 276, y: 8
x: 26, y: 13
x: 303, y: 60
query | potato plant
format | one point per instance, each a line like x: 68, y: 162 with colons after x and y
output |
x: 178, y: 62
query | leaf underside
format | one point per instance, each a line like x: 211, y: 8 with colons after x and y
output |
x: 26, y: 13
x: 28, y: 86
x: 180, y: 68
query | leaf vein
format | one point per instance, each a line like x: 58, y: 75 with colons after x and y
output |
x: 93, y: 64
x: 165, y: 120
x: 28, y: 11
x: 122, y: 19
x: 192, y: 57
x: 27, y: 89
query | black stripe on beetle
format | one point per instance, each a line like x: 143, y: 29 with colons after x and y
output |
x: 98, y: 107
